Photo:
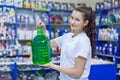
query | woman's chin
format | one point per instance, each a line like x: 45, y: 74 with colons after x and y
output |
x: 73, y: 28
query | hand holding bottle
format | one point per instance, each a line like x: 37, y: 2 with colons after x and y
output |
x: 48, y: 65
x: 41, y: 24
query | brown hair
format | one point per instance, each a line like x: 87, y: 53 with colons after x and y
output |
x: 90, y: 29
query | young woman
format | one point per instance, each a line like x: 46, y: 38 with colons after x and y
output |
x: 77, y: 46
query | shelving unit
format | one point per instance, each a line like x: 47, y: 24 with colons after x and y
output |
x: 107, y: 45
x: 25, y: 20
x: 10, y: 54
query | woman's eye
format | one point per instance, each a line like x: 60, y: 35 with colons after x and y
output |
x: 77, y: 19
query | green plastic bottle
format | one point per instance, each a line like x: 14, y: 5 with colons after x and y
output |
x: 40, y: 48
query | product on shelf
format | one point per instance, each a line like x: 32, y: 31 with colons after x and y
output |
x: 64, y: 6
x: 50, y: 5
x: 100, y: 6
x: 57, y: 5
x: 26, y: 4
x: 65, y: 20
x: 40, y: 48
x: 112, y: 18
x: 115, y: 3
x: 71, y: 6
x: 42, y: 4
x: 34, y: 4
x: 52, y: 19
x: 44, y: 18
x: 58, y: 19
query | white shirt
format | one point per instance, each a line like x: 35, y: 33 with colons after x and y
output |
x: 72, y: 47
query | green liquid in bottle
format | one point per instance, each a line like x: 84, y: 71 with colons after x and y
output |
x: 40, y: 48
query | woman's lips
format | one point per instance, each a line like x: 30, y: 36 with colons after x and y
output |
x: 72, y: 25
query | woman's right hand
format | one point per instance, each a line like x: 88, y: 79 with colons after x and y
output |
x: 41, y: 24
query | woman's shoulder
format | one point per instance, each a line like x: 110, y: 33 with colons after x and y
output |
x: 68, y: 34
x: 84, y: 37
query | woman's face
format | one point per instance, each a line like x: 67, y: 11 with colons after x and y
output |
x: 77, y: 21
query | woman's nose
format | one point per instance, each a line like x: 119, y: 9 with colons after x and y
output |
x: 72, y: 21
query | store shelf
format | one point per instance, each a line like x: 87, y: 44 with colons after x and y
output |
x: 109, y: 9
x: 6, y: 71
x: 37, y: 9
x: 6, y: 39
x: 27, y: 24
x: 33, y: 69
x: 11, y: 56
x: 55, y: 10
x: 25, y: 39
x: 114, y: 25
x: 9, y: 6
x: 60, y: 26
x: 24, y: 55
x: 66, y: 25
x: 118, y: 74
x: 55, y: 54
x: 118, y: 57
x: 31, y: 63
x: 100, y: 62
x: 115, y: 41
x: 8, y: 23
x: 24, y: 63
x: 107, y: 55
x: 6, y: 63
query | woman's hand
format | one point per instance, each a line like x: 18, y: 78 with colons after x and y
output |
x: 41, y: 24
x: 47, y: 65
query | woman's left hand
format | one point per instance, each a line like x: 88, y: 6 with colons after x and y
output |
x: 47, y: 65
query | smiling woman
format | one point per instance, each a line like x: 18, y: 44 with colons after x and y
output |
x: 77, y: 46
x: 77, y: 22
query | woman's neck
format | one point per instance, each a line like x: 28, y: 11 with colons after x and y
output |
x: 76, y: 33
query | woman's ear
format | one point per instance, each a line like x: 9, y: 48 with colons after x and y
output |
x: 86, y: 22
